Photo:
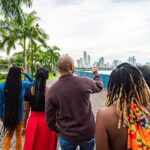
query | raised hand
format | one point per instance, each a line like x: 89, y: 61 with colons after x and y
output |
x: 95, y: 68
x: 22, y: 70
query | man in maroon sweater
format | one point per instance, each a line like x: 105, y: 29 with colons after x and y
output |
x: 68, y: 107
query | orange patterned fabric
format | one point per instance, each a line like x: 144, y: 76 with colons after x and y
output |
x: 139, y: 130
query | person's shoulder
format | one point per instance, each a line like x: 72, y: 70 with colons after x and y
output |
x: 106, y: 112
x: 81, y: 78
x: 54, y: 86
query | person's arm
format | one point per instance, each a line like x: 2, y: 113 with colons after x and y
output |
x: 96, y: 85
x: 50, y: 110
x: 26, y: 110
x: 28, y: 76
x: 30, y: 81
x: 25, y: 117
x: 102, y: 138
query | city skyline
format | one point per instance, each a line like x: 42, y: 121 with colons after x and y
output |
x: 114, y: 29
x: 102, y: 63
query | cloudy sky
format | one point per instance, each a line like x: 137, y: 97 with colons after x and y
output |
x: 114, y: 29
x: 109, y: 28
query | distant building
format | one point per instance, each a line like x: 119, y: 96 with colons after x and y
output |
x: 81, y: 63
x: 101, y: 63
x: 108, y: 66
x: 115, y: 63
x: 132, y: 60
x: 85, y: 59
x: 89, y: 61
x: 78, y: 63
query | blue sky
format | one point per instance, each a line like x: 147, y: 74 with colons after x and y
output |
x: 109, y: 28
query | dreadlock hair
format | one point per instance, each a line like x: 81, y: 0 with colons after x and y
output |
x: 146, y: 73
x: 126, y: 86
x: 12, y: 95
x: 40, y: 83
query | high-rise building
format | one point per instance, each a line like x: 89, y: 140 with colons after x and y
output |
x: 89, y: 61
x: 101, y: 62
x: 115, y: 63
x: 85, y: 59
x: 132, y: 60
x: 81, y: 63
x: 78, y: 63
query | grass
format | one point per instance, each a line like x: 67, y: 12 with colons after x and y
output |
x: 2, y: 80
x: 51, y: 76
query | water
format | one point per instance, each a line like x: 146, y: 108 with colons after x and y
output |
x: 107, y: 72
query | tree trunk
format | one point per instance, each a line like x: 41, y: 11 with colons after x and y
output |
x: 25, y: 54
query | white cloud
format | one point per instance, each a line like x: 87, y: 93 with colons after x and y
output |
x: 109, y: 28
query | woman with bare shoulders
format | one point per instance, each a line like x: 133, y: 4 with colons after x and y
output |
x: 37, y: 134
x: 123, y: 124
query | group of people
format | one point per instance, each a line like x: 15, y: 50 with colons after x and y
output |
x: 63, y: 111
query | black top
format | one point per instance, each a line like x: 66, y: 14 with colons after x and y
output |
x: 36, y: 105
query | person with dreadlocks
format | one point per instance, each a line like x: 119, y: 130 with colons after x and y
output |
x: 37, y: 134
x: 11, y: 105
x: 123, y: 124
x: 146, y: 73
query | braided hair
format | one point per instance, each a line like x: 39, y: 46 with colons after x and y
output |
x: 12, y: 96
x: 126, y: 86
x: 40, y: 83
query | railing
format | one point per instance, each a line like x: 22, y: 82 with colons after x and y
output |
x: 104, y: 77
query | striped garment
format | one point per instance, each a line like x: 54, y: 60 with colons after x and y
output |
x: 139, y: 130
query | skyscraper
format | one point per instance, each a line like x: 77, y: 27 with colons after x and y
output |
x: 89, y: 61
x: 85, y: 59
x: 78, y: 63
x: 132, y: 60
x: 81, y: 62
x: 101, y: 62
x: 115, y: 63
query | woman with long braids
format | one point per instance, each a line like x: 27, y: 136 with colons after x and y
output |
x: 37, y: 134
x: 11, y: 105
x: 124, y: 123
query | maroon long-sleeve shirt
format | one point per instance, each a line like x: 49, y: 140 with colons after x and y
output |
x: 68, y: 107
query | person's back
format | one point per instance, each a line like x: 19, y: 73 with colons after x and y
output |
x: 37, y: 134
x: 115, y: 139
x: 123, y: 124
x: 68, y: 102
x: 75, y: 115
x: 11, y: 106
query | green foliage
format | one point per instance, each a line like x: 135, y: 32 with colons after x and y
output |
x: 12, y: 8
x: 19, y: 28
x: 27, y: 34
x: 2, y: 77
x: 52, y: 75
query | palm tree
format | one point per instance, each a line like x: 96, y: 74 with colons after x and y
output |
x: 25, y: 34
x: 51, y: 57
x: 12, y: 8
x: 18, y: 59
